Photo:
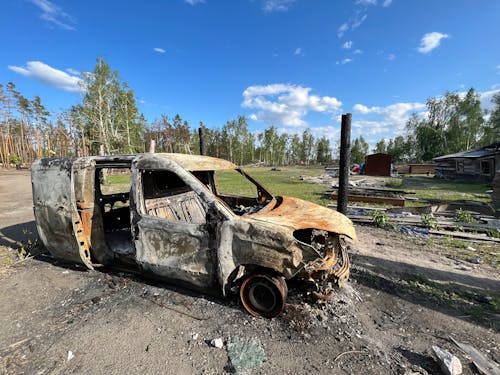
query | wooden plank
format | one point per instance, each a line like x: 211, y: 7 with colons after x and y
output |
x: 382, y: 190
x: 416, y: 221
x: 468, y: 236
x: 371, y: 199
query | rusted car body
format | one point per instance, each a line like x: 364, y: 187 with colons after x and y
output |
x: 172, y: 222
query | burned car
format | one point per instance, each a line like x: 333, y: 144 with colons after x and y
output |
x: 170, y: 217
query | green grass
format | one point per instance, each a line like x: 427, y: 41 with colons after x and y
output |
x: 286, y: 182
x: 477, y: 306
x: 432, y: 188
x: 119, y: 183
x: 454, y: 248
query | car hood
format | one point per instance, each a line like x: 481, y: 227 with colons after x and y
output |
x: 299, y: 214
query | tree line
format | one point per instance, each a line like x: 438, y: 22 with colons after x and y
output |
x: 108, y: 121
x: 452, y: 123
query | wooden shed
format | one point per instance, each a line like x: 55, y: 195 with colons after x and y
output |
x: 378, y: 164
x: 477, y: 164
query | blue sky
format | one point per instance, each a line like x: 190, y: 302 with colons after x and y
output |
x: 289, y: 63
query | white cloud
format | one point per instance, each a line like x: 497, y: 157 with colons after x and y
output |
x: 277, y: 5
x: 49, y: 76
x: 387, y: 3
x: 298, y: 52
x: 363, y: 109
x: 393, y: 116
x: 399, y: 113
x: 391, y: 120
x: 332, y: 133
x: 364, y: 128
x: 55, y: 15
x: 194, y: 2
x: 159, y: 50
x: 353, y: 22
x: 358, y: 21
x: 358, y: 52
x: 431, y: 41
x: 486, y: 98
x: 73, y: 71
x: 391, y: 56
x: 345, y: 61
x: 347, y: 45
x: 342, y: 29
x: 286, y: 104
x: 366, y: 2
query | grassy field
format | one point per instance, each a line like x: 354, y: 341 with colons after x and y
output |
x: 432, y: 188
x: 287, y: 181
x: 284, y: 182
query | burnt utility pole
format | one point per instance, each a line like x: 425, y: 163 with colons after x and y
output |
x: 201, y: 133
x: 345, y: 161
x: 152, y: 146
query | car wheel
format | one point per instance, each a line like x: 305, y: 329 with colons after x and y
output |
x: 263, y: 295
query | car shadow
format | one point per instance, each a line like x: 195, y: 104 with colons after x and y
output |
x: 19, y: 235
x: 24, y: 237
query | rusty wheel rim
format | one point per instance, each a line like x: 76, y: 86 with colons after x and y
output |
x: 263, y: 295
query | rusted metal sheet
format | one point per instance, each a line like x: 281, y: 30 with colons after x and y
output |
x: 82, y: 198
x: 199, y: 162
x: 52, y: 205
x: 174, y: 224
x: 299, y: 214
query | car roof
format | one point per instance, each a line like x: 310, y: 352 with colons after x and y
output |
x: 198, y: 162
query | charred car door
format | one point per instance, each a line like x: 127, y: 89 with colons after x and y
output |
x: 172, y: 235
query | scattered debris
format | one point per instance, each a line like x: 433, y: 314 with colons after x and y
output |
x: 70, y: 355
x: 414, y: 231
x: 245, y: 353
x: 348, y: 352
x: 17, y: 343
x: 217, y: 343
x: 476, y: 260
x: 450, y: 365
x: 483, y: 364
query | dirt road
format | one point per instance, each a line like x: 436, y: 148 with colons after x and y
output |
x: 405, y: 295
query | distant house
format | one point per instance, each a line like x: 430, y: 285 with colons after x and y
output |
x: 415, y: 168
x: 477, y: 164
x: 378, y: 164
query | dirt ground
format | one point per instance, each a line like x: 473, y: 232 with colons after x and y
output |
x: 405, y: 295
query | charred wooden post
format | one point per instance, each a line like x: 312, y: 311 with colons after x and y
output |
x: 152, y: 147
x: 201, y: 133
x: 345, y: 158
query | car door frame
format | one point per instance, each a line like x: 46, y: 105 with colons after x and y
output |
x: 155, y: 238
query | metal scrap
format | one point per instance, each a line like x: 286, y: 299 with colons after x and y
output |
x: 172, y: 222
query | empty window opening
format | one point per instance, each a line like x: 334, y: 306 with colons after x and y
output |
x: 486, y: 167
x: 167, y: 196
x: 113, y: 197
